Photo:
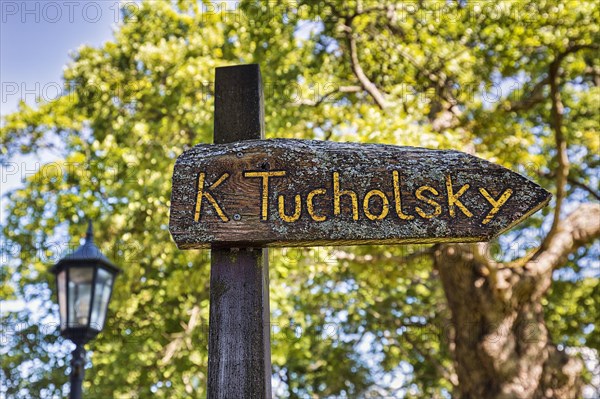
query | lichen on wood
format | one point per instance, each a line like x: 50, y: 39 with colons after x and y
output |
x: 306, y: 193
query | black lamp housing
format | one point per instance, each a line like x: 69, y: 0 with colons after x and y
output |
x: 84, y: 282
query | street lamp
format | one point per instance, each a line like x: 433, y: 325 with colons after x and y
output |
x: 84, y: 281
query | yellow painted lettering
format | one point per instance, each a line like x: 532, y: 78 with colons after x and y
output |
x: 437, y: 207
x: 385, y: 205
x: 496, y: 204
x: 453, y: 199
x: 204, y: 194
x: 265, y: 188
x: 297, y: 209
x: 337, y: 194
x: 398, y: 198
x: 310, y: 206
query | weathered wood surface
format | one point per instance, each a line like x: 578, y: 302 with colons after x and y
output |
x: 307, y: 193
x: 239, y: 344
x: 239, y: 349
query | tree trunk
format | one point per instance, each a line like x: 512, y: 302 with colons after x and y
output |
x: 501, y: 346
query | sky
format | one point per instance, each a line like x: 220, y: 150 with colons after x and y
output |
x: 36, y: 41
x: 37, y: 38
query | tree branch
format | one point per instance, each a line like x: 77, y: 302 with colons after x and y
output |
x: 562, y: 170
x: 444, y: 114
x: 180, y: 338
x: 535, y: 96
x: 360, y: 74
x: 341, y: 89
x: 583, y: 186
x: 574, y: 182
x: 580, y: 228
x: 449, y: 375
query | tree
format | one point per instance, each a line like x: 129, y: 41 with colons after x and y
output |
x: 516, y: 83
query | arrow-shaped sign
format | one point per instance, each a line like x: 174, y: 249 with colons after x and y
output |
x: 308, y: 193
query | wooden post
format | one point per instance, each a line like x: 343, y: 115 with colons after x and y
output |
x: 239, y: 352
x: 222, y: 197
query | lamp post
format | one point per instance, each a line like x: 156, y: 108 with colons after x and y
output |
x: 84, y: 281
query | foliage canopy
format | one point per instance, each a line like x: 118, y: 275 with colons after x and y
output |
x: 365, y: 321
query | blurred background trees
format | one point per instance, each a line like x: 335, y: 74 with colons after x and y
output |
x: 516, y: 83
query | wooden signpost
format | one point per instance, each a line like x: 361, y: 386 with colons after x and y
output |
x: 244, y: 193
x: 309, y: 193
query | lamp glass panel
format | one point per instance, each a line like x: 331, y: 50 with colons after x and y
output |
x: 80, y: 295
x: 62, y: 298
x: 104, y: 281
